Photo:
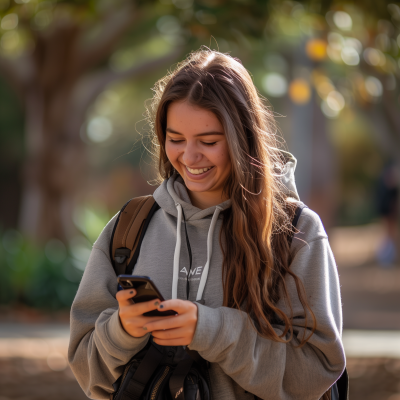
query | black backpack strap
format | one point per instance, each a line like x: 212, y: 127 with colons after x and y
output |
x: 343, y: 386
x: 299, y: 209
x: 143, y: 374
x: 297, y: 214
x: 177, y: 380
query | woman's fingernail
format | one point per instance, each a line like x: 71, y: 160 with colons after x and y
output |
x: 156, y: 303
x: 161, y: 306
x: 131, y: 292
x: 145, y: 328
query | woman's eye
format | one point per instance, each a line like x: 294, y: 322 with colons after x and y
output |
x: 209, y: 143
x: 175, y: 141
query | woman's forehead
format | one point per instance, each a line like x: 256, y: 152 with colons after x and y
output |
x: 183, y: 117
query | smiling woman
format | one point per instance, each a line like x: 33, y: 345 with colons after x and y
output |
x: 197, y: 148
x: 255, y: 298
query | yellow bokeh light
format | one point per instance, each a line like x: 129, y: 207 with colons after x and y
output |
x: 299, y: 91
x: 316, y: 49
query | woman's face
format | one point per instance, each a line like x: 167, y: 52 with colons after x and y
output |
x: 196, y: 146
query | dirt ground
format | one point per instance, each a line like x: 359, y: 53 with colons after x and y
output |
x: 29, y: 379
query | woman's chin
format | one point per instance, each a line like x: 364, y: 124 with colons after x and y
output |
x: 197, y: 186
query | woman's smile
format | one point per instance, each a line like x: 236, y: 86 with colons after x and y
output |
x: 198, y: 173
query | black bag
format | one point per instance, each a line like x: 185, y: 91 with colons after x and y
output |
x: 164, y: 373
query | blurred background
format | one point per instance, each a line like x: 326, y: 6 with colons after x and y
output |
x: 74, y: 77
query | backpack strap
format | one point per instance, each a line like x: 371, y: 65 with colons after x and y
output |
x: 128, y: 232
x: 143, y: 374
x: 297, y: 213
x: 299, y: 209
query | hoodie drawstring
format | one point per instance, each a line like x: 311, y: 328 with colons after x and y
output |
x: 204, y: 275
x: 177, y: 253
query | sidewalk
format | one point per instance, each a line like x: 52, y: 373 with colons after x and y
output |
x: 50, y: 342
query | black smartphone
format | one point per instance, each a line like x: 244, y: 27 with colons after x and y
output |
x: 146, y: 290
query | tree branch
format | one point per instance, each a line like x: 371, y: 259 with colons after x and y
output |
x: 113, y: 29
x: 90, y: 87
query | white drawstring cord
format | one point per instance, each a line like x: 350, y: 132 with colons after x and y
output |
x: 177, y: 253
x: 209, y: 254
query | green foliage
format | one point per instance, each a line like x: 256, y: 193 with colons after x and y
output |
x: 46, y: 278
x: 91, y: 221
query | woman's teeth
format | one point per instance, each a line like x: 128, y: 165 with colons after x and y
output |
x: 198, y: 171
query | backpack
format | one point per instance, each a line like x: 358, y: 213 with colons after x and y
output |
x: 166, y: 372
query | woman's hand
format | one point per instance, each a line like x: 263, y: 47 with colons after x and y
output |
x: 131, y: 315
x: 177, y: 330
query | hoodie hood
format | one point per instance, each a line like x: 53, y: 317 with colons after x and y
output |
x: 173, y: 191
x: 287, y: 175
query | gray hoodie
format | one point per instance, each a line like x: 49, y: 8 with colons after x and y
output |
x: 242, y: 362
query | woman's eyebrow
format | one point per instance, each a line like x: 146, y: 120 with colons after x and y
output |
x: 170, y: 130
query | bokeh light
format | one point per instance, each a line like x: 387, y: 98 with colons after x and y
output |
x: 374, y: 87
x: 374, y: 57
x: 299, y: 91
x: 316, y: 49
x: 9, y: 22
x: 10, y: 41
x: 275, y: 84
x: 350, y: 56
x: 342, y: 20
x: 335, y: 101
x: 99, y: 129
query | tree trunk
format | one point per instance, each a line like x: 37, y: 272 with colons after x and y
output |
x: 54, y: 169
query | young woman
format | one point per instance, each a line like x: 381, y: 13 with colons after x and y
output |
x: 265, y: 314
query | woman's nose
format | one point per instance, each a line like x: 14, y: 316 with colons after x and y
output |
x: 191, y: 155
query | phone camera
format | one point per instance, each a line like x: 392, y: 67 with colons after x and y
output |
x: 128, y: 283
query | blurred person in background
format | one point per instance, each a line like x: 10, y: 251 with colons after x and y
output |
x: 264, y: 311
x: 388, y: 208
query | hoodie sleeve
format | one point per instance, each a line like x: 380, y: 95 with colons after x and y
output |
x: 275, y: 370
x: 99, y: 346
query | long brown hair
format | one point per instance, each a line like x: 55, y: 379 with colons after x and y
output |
x: 255, y: 229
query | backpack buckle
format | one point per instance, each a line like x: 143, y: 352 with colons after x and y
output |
x: 121, y: 255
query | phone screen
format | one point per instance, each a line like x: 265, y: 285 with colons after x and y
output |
x: 146, y: 290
